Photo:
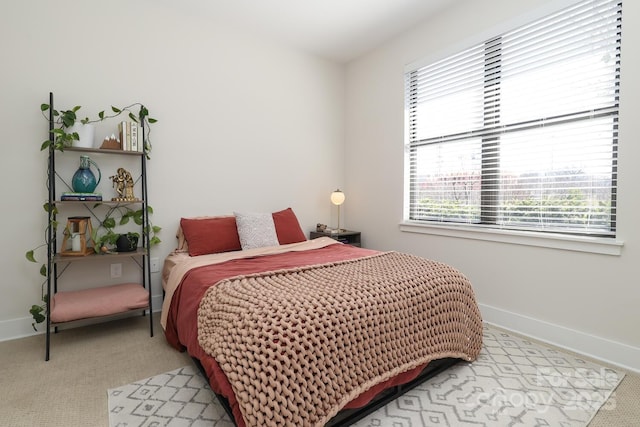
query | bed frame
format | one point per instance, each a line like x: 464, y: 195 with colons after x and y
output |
x: 347, y: 417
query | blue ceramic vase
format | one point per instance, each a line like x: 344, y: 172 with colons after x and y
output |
x: 84, y: 181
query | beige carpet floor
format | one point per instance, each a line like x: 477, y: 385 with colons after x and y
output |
x: 71, y: 389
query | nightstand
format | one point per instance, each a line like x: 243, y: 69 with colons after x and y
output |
x: 345, y: 236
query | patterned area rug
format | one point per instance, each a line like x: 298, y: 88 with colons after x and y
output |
x: 177, y: 398
x: 513, y: 382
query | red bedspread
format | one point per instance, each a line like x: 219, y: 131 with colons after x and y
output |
x: 181, y: 323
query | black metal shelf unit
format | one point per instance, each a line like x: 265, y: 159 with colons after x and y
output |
x: 55, y: 258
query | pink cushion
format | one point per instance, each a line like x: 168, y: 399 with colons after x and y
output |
x: 210, y: 235
x: 287, y: 227
x: 103, y: 301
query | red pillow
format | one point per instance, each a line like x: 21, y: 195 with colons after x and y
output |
x: 210, y: 235
x: 288, y: 228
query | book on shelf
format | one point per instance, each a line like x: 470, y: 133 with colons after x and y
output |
x: 122, y: 133
x: 134, y: 136
x: 128, y: 139
x: 130, y: 134
x: 124, y: 129
x: 83, y: 197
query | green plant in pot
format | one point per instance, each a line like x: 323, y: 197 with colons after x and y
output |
x: 108, y: 241
x: 66, y: 134
x: 127, y: 242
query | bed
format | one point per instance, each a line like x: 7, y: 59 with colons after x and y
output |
x: 291, y: 331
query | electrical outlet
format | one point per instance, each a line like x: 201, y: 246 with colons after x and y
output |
x: 116, y: 270
x: 155, y: 265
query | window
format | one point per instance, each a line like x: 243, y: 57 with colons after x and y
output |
x: 521, y: 132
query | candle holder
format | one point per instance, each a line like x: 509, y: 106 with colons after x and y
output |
x: 77, y: 233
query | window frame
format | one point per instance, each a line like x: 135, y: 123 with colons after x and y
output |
x: 609, y: 245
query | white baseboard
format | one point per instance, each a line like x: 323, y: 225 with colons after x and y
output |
x: 21, y: 327
x: 605, y: 350
x: 16, y: 328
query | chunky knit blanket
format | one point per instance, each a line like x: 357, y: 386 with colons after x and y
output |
x: 297, y: 345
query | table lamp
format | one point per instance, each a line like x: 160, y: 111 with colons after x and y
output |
x: 337, y: 198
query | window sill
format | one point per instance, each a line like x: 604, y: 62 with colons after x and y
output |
x: 597, y: 245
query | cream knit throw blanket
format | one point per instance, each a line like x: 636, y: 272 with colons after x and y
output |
x: 297, y: 345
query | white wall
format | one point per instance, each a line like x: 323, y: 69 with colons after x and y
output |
x: 583, y: 301
x: 244, y: 124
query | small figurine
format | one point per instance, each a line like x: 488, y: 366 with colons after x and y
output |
x: 123, y: 183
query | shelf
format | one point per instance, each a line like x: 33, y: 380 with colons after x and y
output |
x: 66, y: 305
x: 104, y: 150
x: 74, y: 258
x: 102, y: 202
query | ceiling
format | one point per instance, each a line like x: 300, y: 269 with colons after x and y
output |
x: 340, y: 30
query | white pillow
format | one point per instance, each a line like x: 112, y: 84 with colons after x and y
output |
x: 256, y: 230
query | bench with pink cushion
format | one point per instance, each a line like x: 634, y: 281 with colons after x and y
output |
x: 103, y: 301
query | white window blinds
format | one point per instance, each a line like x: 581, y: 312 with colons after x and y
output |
x: 520, y: 132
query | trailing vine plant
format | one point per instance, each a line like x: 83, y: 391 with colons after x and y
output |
x: 65, y: 119
x: 63, y: 138
x: 38, y: 311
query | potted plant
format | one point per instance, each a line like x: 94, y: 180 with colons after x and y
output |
x: 127, y: 242
x: 107, y: 241
x: 66, y: 131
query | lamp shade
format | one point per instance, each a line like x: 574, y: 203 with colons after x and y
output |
x: 337, y: 197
